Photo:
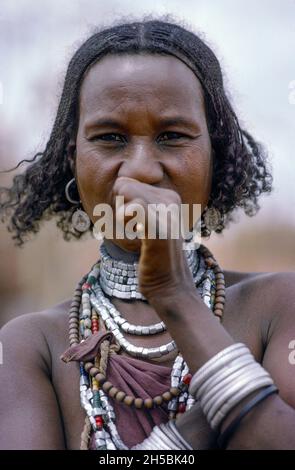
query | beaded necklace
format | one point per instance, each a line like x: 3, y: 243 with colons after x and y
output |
x: 90, y: 307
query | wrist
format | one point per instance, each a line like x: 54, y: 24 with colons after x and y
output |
x: 172, y: 298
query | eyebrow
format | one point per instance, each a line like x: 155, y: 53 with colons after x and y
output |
x: 176, y: 120
x: 165, y: 122
x: 102, y: 122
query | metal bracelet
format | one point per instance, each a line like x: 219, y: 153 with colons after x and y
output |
x: 164, y: 437
x: 181, y: 439
x: 222, y: 374
x: 215, y: 363
x: 237, y: 387
x: 224, y: 390
x: 225, y: 410
x: 225, y: 380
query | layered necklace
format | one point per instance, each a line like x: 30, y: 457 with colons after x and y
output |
x: 90, y: 309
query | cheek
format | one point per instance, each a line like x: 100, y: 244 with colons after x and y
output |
x: 94, y: 178
x: 198, y: 185
x: 196, y: 172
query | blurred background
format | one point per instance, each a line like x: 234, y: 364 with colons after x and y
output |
x: 255, y: 42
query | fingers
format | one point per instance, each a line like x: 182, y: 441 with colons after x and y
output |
x: 131, y: 214
x: 131, y: 188
x: 147, y: 204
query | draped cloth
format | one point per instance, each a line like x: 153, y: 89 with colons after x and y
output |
x: 134, y: 377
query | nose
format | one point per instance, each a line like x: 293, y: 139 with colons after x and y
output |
x: 141, y: 164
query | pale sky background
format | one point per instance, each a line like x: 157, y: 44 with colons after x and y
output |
x: 255, y: 42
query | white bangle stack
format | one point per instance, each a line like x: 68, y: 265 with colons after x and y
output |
x: 225, y: 380
x: 164, y: 437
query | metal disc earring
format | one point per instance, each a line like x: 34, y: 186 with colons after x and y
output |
x: 212, y: 218
x: 80, y: 220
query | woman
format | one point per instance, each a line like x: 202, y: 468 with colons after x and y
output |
x: 144, y: 115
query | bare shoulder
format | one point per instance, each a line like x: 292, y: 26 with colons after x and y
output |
x: 262, y: 300
x: 37, y: 334
x: 262, y: 315
x: 277, y: 285
x: 273, y: 287
x: 235, y: 277
x: 28, y: 359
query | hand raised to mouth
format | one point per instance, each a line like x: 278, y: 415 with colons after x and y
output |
x: 162, y: 266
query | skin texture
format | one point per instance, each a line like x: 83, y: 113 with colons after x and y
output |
x: 134, y: 92
x: 147, y: 166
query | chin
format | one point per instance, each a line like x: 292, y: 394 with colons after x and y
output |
x: 128, y: 245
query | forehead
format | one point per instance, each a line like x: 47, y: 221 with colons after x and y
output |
x: 159, y: 82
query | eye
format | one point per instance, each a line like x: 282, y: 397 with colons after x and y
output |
x: 109, y: 138
x: 171, y: 136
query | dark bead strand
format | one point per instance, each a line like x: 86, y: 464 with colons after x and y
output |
x: 219, y: 299
x: 107, y: 386
x: 121, y: 396
x: 74, y: 314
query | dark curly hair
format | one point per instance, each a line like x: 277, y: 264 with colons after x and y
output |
x: 240, y: 172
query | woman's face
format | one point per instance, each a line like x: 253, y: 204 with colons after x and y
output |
x: 142, y: 116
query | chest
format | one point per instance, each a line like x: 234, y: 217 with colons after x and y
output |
x: 243, y: 324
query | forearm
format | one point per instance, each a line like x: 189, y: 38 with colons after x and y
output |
x: 196, y: 331
x: 195, y: 429
x: 269, y: 426
x: 199, y: 337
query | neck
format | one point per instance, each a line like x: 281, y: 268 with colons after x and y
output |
x: 119, y: 253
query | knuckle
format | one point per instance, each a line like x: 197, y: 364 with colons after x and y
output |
x: 173, y: 197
